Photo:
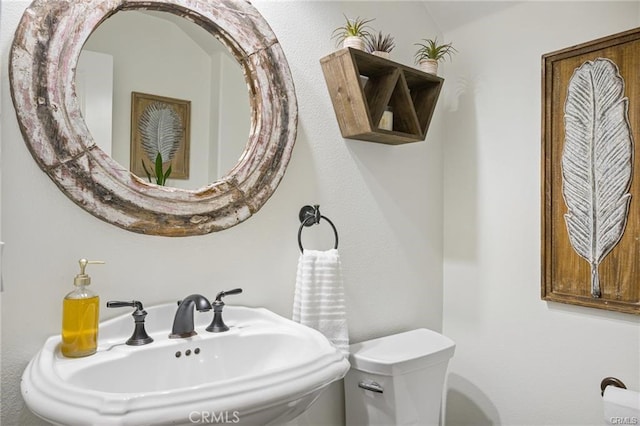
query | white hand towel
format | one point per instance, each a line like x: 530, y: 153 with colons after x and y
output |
x: 319, y: 300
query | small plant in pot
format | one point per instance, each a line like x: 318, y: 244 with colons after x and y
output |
x: 352, y: 33
x: 379, y: 45
x: 430, y: 53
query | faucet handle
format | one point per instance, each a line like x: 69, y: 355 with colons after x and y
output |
x: 222, y: 294
x: 120, y: 304
x: 217, y: 324
x: 139, y: 336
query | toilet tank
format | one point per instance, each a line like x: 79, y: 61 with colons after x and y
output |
x: 397, y: 380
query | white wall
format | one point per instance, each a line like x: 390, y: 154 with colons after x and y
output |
x: 386, y: 202
x: 519, y: 360
x: 2, y: 113
x: 94, y: 88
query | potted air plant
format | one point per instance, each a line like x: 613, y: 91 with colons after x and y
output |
x: 379, y: 45
x: 352, y: 33
x: 430, y: 53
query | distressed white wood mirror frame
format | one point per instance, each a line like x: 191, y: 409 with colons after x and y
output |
x: 43, y: 59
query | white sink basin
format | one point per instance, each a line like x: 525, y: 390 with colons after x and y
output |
x: 265, y: 370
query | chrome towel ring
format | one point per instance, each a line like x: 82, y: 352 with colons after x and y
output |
x: 310, y: 215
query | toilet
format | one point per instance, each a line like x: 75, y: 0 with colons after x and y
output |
x: 398, y: 379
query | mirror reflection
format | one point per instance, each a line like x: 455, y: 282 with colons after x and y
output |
x: 170, y: 60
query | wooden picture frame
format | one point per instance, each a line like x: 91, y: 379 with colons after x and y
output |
x: 180, y: 162
x: 574, y: 197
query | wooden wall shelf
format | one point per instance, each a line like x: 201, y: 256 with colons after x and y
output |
x: 362, y: 85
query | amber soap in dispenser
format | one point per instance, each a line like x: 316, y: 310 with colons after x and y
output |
x: 80, y: 315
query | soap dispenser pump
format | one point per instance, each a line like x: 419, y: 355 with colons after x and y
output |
x: 80, y: 315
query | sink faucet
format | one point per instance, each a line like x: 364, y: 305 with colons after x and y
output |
x: 218, y: 325
x: 183, y: 321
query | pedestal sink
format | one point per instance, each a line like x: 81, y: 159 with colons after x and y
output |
x: 266, y: 370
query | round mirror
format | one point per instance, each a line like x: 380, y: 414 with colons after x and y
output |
x: 135, y: 60
x: 43, y: 61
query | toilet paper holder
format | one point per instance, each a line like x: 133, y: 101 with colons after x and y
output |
x: 611, y: 381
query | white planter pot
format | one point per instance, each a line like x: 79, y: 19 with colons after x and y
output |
x: 381, y: 54
x: 353, y: 42
x: 429, y: 65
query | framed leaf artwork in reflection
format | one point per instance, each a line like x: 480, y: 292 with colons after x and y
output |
x: 591, y: 174
x: 160, y: 130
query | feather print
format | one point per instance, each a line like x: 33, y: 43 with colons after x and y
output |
x: 160, y: 129
x: 597, y: 162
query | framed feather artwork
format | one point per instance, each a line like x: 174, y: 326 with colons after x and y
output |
x: 591, y: 174
x: 159, y: 137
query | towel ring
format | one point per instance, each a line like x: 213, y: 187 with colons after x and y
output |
x: 310, y: 216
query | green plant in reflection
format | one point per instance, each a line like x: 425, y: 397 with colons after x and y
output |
x: 161, y: 177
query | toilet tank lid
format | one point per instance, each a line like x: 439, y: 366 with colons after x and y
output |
x: 401, y: 353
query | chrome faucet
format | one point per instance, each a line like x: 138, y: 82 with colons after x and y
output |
x: 183, y: 321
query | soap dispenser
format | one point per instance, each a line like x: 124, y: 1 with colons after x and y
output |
x: 80, y: 314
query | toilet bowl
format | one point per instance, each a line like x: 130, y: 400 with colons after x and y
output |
x: 398, y: 379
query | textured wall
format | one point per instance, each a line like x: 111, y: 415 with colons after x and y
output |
x: 386, y: 202
x: 519, y: 360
